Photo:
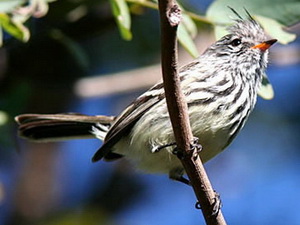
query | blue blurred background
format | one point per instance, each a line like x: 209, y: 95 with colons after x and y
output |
x: 257, y: 176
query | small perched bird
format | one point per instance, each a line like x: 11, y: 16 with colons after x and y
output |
x: 220, y: 87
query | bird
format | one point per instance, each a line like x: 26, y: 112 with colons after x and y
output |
x: 220, y: 88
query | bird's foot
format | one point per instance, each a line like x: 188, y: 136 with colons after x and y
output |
x: 158, y: 148
x: 195, y: 148
x: 216, y: 206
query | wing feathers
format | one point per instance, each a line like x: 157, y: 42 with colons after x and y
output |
x: 125, y: 122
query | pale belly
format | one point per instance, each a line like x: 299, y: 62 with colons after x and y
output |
x: 139, y: 146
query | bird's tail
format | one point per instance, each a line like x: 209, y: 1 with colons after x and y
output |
x: 58, y: 127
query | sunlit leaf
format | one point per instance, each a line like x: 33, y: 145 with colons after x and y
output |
x: 189, y: 24
x: 275, y: 14
x: 18, y: 30
x: 275, y: 29
x: 122, y: 15
x: 266, y: 90
x: 286, y: 12
x: 3, y: 118
x: 187, y: 30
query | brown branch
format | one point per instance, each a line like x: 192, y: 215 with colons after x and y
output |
x: 170, y: 18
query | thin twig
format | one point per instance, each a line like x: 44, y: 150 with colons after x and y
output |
x: 170, y: 18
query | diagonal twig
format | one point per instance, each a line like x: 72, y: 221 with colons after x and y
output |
x: 170, y: 16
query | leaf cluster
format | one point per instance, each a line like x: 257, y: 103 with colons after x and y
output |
x: 274, y: 16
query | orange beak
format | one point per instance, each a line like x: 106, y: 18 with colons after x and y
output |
x: 265, y: 45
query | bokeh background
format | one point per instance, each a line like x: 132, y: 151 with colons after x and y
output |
x: 56, y: 183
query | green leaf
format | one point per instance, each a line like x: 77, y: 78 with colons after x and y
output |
x: 18, y: 30
x: 190, y: 25
x: 266, y: 90
x: 187, y: 30
x: 122, y: 15
x: 3, y: 118
x: 275, y: 29
x: 275, y: 14
x: 286, y: 12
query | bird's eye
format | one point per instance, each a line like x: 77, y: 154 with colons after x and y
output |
x: 235, y: 42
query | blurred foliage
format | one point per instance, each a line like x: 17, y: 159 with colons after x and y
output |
x: 272, y: 14
x: 3, y: 118
x: 13, y: 15
x: 122, y: 15
x: 285, y: 12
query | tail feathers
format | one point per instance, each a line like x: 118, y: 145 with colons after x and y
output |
x: 56, y: 127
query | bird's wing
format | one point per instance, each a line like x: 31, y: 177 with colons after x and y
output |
x: 127, y: 119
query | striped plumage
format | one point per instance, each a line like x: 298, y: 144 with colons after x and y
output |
x: 221, y: 89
